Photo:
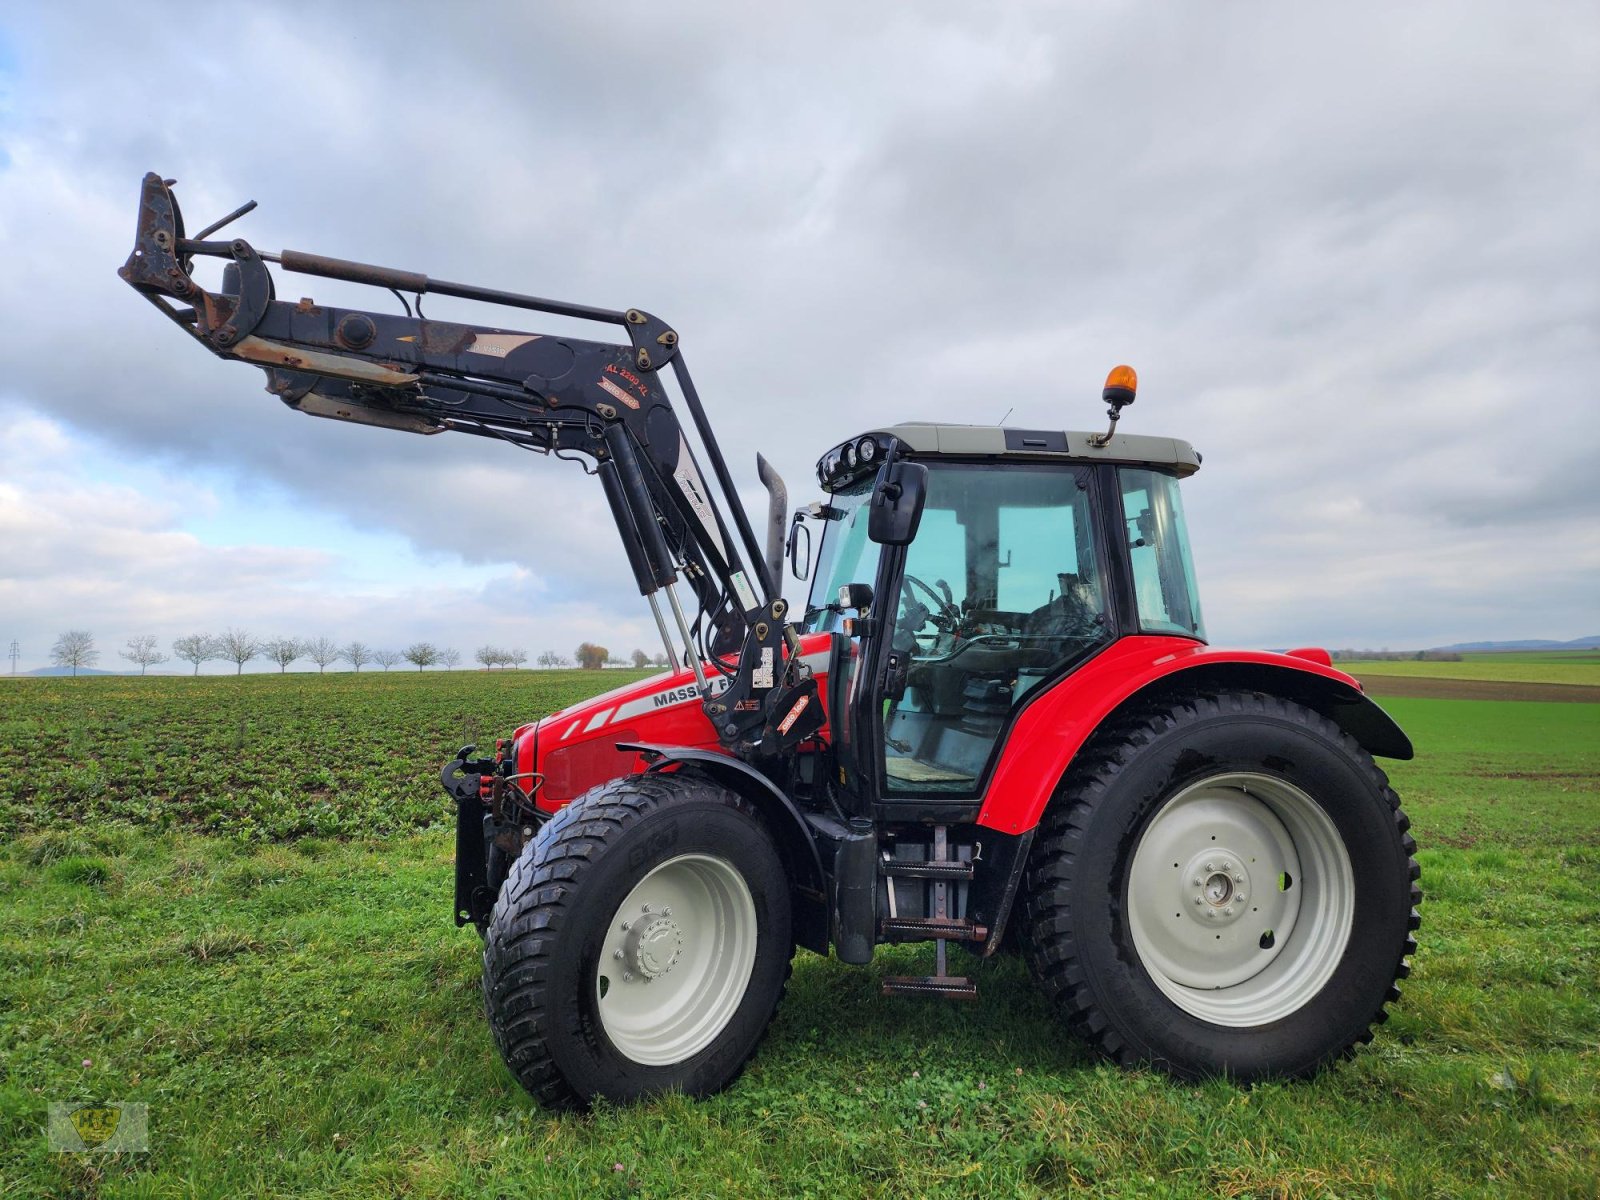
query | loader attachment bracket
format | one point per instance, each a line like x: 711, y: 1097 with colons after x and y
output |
x: 463, y: 778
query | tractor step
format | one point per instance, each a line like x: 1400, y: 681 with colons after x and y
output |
x: 928, y: 870
x: 952, y: 986
x: 936, y: 928
x: 941, y: 928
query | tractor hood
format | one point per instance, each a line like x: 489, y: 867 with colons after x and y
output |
x: 575, y: 749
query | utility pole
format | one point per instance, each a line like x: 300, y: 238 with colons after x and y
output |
x: 16, y: 653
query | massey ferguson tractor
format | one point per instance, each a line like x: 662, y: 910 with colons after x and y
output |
x: 996, y: 722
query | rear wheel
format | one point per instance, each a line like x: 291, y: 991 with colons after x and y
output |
x: 1224, y: 886
x: 640, y: 944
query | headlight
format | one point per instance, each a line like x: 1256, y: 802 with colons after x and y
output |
x: 866, y: 450
x: 850, y: 457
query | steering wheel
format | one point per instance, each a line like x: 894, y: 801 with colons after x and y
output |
x: 944, y: 615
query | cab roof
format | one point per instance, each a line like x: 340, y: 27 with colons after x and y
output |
x: 996, y: 441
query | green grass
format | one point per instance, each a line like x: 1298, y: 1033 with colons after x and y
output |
x: 1563, y: 667
x: 303, y: 1018
x: 1512, y: 773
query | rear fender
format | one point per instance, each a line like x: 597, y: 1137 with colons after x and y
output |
x: 1050, y: 731
x: 789, y: 828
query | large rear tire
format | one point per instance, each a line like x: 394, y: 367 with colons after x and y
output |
x: 640, y: 944
x: 1223, y: 886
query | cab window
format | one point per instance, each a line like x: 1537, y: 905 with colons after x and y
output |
x: 1158, y: 551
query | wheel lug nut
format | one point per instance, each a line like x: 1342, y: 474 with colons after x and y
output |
x: 646, y: 908
x: 619, y: 956
x: 1241, y: 897
x: 1211, y: 914
x: 666, y: 912
x: 625, y: 927
x: 627, y: 977
x: 1238, y: 878
x: 1211, y: 866
x: 1198, y: 881
x: 1228, y: 912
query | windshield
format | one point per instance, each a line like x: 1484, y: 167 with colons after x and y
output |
x: 846, y: 556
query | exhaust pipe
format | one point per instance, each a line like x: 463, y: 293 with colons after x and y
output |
x: 777, y: 519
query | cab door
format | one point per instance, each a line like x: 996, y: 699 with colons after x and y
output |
x: 1002, y: 592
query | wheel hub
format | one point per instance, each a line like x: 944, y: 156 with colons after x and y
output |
x: 653, y: 947
x: 1217, y: 885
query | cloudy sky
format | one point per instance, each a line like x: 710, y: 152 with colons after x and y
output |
x: 1352, y: 251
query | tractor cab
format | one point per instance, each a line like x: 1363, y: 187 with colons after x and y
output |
x: 1029, y: 553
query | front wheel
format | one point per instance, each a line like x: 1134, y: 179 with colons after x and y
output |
x: 640, y: 944
x: 1224, y: 886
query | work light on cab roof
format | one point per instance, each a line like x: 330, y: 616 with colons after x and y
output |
x: 996, y: 713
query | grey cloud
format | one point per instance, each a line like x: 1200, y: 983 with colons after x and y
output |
x: 1350, y: 251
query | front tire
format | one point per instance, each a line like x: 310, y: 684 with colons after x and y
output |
x: 1224, y: 886
x: 640, y: 944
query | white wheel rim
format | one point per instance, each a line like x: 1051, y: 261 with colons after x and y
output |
x: 676, y: 960
x: 1241, y: 899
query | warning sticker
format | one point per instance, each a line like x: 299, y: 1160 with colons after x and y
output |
x: 761, y: 677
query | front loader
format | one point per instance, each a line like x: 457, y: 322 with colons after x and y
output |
x: 997, y: 715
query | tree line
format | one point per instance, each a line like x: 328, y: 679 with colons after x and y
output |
x: 76, y: 650
x: 588, y: 656
x: 1387, y: 655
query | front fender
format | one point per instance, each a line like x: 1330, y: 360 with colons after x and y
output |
x: 790, y: 830
x: 1050, y: 731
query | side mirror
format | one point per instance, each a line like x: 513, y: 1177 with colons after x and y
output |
x: 897, y: 500
x: 799, y: 547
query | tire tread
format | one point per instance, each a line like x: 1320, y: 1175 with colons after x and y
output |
x: 530, y: 911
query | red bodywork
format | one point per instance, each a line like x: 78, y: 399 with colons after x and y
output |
x: 576, y: 749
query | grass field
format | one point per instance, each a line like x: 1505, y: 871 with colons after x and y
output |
x: 201, y: 919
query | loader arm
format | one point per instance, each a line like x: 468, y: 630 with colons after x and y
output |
x: 595, y: 402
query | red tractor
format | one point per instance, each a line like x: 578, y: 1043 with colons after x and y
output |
x: 997, y: 721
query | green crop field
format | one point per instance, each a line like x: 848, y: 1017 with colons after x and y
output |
x: 273, y: 756
x: 230, y: 899
x: 1572, y: 667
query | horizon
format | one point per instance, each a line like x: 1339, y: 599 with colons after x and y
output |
x: 260, y: 666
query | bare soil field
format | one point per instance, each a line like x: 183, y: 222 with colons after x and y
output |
x: 1422, y: 688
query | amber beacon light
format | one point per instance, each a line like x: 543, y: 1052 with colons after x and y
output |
x: 1121, y: 386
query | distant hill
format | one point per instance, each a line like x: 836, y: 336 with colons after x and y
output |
x: 1583, y: 643
x: 68, y: 671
